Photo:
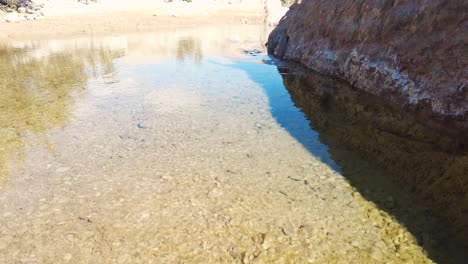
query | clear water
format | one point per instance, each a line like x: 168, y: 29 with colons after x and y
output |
x: 173, y: 147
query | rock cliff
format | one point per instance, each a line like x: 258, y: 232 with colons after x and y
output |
x: 413, y: 53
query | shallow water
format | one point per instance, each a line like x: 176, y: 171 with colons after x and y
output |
x: 176, y: 147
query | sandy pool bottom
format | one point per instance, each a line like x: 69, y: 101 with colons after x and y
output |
x: 156, y: 149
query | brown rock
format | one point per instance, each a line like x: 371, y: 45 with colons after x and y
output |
x: 413, y: 53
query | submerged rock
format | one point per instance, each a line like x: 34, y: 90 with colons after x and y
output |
x: 413, y: 53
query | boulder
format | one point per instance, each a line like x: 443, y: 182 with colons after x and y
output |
x: 14, y: 17
x: 412, y: 53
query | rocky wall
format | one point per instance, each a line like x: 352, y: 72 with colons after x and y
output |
x: 412, y: 53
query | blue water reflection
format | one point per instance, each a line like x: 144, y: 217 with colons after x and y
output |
x: 263, y: 70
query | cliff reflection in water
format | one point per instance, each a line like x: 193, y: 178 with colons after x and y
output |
x: 36, y: 94
x: 376, y: 146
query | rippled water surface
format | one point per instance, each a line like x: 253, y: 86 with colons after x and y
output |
x: 179, y: 146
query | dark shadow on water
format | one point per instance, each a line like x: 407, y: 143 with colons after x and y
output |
x: 283, y: 109
x: 409, y: 168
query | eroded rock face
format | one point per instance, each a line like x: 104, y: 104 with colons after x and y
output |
x: 413, y: 53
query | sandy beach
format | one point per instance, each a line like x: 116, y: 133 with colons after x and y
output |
x: 69, y: 18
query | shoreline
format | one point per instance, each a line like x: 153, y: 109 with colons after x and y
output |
x: 111, y: 22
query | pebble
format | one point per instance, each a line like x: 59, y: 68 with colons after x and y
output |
x: 287, y: 229
x: 381, y: 244
x: 67, y: 257
x: 70, y: 237
x: 14, y: 17
x: 377, y: 254
x: 62, y: 169
x: 29, y: 261
x: 3, y: 245
x: 30, y: 17
x: 215, y: 193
